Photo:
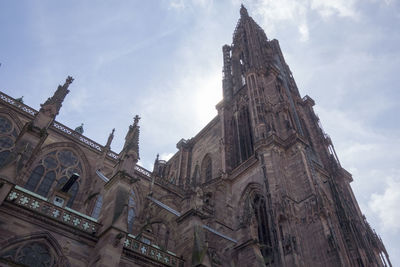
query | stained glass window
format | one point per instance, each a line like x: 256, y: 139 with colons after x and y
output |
x: 5, y: 125
x: 8, y: 135
x: 46, y: 183
x: 35, y: 177
x: 33, y: 254
x: 131, y: 211
x: 55, y: 168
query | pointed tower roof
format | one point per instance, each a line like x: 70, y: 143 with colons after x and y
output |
x: 243, y: 11
x: 110, y: 138
x: 132, y: 138
x: 59, y: 95
x: 246, y: 25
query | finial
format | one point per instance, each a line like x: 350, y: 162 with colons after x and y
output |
x: 59, y: 95
x: 158, y: 155
x: 243, y: 11
x: 110, y: 138
x: 68, y: 81
x: 136, y: 120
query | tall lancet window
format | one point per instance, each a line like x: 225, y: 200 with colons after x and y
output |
x: 131, y: 211
x: 242, y: 135
x: 206, y: 168
x: 55, y: 168
x: 195, y: 177
x: 264, y: 237
x: 97, y: 207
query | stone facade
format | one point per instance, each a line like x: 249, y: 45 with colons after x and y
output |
x: 260, y: 185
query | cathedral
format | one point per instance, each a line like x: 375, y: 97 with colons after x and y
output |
x: 259, y: 185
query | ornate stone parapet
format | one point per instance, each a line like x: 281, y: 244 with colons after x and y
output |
x: 151, y: 252
x: 36, y: 203
x: 11, y: 101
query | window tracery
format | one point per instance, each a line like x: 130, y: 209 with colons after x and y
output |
x: 56, y: 166
x: 8, y: 135
x: 33, y: 254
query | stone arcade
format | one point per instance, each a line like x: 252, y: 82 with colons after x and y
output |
x: 260, y: 185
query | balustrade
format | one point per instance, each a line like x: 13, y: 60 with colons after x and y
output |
x: 38, y: 204
x: 152, y: 252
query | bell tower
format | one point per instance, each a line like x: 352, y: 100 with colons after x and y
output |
x: 306, y: 196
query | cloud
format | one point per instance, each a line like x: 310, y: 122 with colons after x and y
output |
x: 182, y: 4
x: 296, y: 12
x: 177, y: 4
x: 328, y: 8
x: 386, y: 205
x: 304, y: 33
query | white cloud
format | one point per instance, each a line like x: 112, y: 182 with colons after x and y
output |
x: 304, y: 33
x: 182, y: 4
x: 342, y: 8
x: 273, y: 12
x: 177, y: 4
x: 296, y: 12
x: 386, y: 205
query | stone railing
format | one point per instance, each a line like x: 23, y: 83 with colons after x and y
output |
x: 56, y: 125
x: 112, y: 155
x: 68, y: 131
x: 19, y: 105
x: 77, y: 136
x: 152, y: 252
x: 142, y: 171
x: 36, y: 203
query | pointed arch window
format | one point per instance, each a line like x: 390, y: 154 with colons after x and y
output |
x: 54, y: 170
x: 242, y: 136
x: 97, y: 207
x: 35, y: 177
x: 263, y: 229
x: 8, y: 135
x: 196, y: 175
x: 131, y: 211
x: 206, y: 168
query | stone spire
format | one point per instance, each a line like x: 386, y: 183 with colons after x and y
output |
x: 50, y: 109
x: 110, y: 138
x: 132, y: 138
x: 243, y: 11
x: 102, y: 156
x: 59, y: 95
x: 129, y: 155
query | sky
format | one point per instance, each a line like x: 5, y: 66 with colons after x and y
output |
x: 162, y: 60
